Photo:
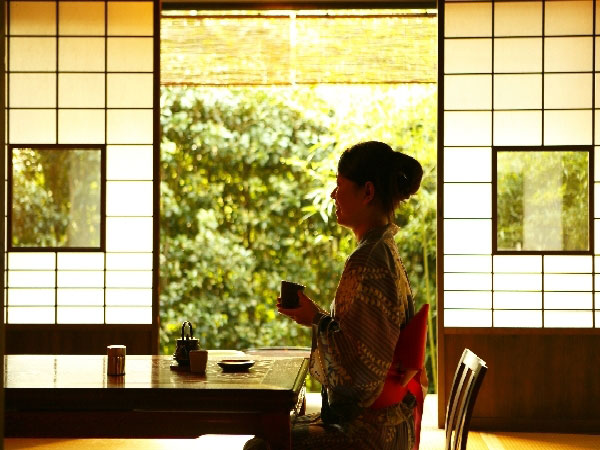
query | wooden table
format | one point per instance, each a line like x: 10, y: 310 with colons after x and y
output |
x: 71, y: 396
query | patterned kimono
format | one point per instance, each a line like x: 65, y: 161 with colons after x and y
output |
x: 353, y: 349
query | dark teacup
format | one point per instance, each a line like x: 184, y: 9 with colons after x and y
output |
x: 289, y: 294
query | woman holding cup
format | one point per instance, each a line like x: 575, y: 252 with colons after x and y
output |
x: 353, y: 345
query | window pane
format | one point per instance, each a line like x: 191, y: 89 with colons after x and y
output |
x: 517, y: 91
x: 567, y: 264
x: 81, y: 91
x: 129, y: 234
x: 81, y: 18
x: 74, y: 314
x: 572, y: 300
x: 32, y: 54
x: 518, y: 263
x: 467, y: 318
x: 565, y: 91
x: 81, y: 126
x: 21, y: 130
x: 130, y: 55
x: 468, y: 19
x: 467, y: 128
x: 467, y: 236
x: 31, y: 297
x: 468, y: 299
x: 518, y: 18
x: 517, y: 128
x: 568, y: 319
x: 517, y: 300
x: 542, y: 201
x: 34, y: 314
x: 31, y: 261
x: 129, y: 297
x: 479, y: 167
x: 567, y: 282
x: 518, y: 319
x: 129, y: 162
x: 120, y: 18
x: 467, y: 263
x: 80, y: 261
x: 569, y: 17
x: 568, y: 54
x: 468, y: 56
x: 129, y: 279
x: 56, y: 198
x: 518, y: 55
x: 129, y: 261
x: 35, y: 18
x: 80, y: 297
x: 129, y: 198
x: 31, y: 278
x: 468, y: 281
x: 517, y: 282
x: 123, y: 314
x: 567, y: 127
x: 80, y: 278
x: 81, y: 54
x: 21, y: 95
x: 130, y: 126
x: 468, y: 92
x: 129, y: 90
x: 462, y: 200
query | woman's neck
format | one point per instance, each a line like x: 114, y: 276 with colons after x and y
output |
x: 361, y: 230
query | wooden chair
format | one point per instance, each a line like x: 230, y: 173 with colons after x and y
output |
x: 467, y: 381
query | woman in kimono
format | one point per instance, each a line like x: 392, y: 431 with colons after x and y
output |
x: 353, y: 345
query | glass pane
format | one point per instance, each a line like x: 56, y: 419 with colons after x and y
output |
x: 80, y: 278
x: 517, y: 128
x: 31, y: 297
x: 129, y: 198
x: 467, y: 318
x: 74, y: 314
x: 56, y: 197
x: 542, y: 201
x: 130, y: 126
x: 518, y: 18
x: 467, y: 236
x: 81, y: 261
x: 120, y: 16
x: 468, y: 56
x: 468, y: 92
x: 81, y: 126
x: 468, y: 19
x: 467, y: 128
x: 567, y: 282
x: 566, y: 91
x: 597, y: 233
x: 20, y: 121
x: 81, y: 54
x: 518, y: 319
x: 22, y: 96
x: 129, y: 297
x: 130, y: 55
x: 129, y: 90
x: 597, y: 93
x: 81, y: 18
x: 129, y: 162
x: 572, y: 300
x: 465, y: 200
x: 31, y: 278
x: 34, y: 18
x: 32, y: 54
x: 567, y: 264
x: 129, y: 261
x: 129, y: 279
x: 517, y: 300
x: 517, y: 91
x: 518, y: 263
x: 568, y: 319
x: 568, y: 54
x: 34, y: 314
x: 467, y: 263
x: 31, y: 261
x: 81, y: 90
x: 567, y: 127
x: 569, y: 17
x: 468, y: 299
x: 468, y: 281
x: 123, y: 314
x: 80, y: 297
x: 518, y: 55
x: 517, y: 282
x: 479, y: 167
x: 129, y: 234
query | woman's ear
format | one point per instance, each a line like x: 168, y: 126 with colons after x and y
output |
x: 369, y: 192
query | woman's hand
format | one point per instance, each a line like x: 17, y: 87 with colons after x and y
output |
x: 304, y: 313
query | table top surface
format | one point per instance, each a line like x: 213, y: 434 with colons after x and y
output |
x: 154, y: 372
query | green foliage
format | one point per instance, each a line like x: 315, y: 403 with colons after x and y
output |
x: 245, y: 202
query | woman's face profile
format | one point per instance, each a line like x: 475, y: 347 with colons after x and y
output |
x: 348, y: 202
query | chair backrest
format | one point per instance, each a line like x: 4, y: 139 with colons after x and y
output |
x: 465, y: 387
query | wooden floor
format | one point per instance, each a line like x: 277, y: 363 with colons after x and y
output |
x: 432, y: 438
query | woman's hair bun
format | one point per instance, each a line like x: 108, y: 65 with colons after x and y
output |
x: 409, y: 175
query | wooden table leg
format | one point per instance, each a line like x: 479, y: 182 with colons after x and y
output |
x: 277, y: 431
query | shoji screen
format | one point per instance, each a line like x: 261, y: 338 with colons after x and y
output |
x: 518, y: 128
x: 80, y: 78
